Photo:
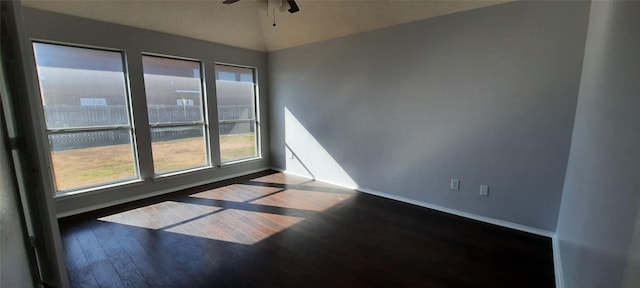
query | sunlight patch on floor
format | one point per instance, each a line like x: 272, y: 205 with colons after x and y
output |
x: 281, y: 178
x: 238, y: 212
x: 160, y: 215
x: 236, y: 192
x: 304, y: 200
x: 237, y: 226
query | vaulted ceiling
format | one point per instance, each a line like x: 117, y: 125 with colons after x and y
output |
x: 248, y: 24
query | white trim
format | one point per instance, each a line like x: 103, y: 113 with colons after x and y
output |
x: 173, y: 174
x: 155, y: 193
x: 294, y: 173
x: 240, y: 161
x: 67, y: 194
x: 557, y: 262
x: 468, y: 215
x: 322, y: 180
x: 289, y: 172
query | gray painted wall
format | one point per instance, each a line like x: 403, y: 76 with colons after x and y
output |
x: 14, y: 264
x: 599, y: 222
x: 48, y: 26
x: 487, y: 96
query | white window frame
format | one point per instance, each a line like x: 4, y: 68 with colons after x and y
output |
x: 61, y: 131
x: 203, y: 124
x: 256, y: 122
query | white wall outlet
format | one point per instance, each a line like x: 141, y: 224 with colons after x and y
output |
x: 484, y: 190
x: 455, y: 184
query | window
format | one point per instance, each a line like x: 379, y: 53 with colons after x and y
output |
x: 237, y: 113
x: 176, y: 116
x: 88, y: 121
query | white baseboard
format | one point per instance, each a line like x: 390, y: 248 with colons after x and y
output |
x: 290, y: 172
x: 321, y: 180
x: 472, y: 216
x: 468, y: 215
x: 557, y: 262
x: 554, y: 240
x: 155, y: 193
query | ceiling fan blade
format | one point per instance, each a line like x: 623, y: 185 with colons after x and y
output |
x: 230, y: 1
x: 292, y: 4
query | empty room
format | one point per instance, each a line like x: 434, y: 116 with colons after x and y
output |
x: 320, y: 143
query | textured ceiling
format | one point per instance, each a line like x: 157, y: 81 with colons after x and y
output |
x: 246, y: 24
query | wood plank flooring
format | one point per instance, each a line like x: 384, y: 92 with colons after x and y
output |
x: 275, y: 230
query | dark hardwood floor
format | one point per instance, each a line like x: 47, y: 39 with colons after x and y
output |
x: 277, y: 230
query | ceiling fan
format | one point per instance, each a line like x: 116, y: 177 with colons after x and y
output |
x: 293, y: 7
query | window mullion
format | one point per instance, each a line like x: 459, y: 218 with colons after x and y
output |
x: 212, y: 102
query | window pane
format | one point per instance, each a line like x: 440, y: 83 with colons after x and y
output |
x: 85, y: 89
x: 236, y: 98
x: 236, y: 113
x: 178, y: 148
x: 237, y: 141
x: 174, y: 90
x: 174, y: 96
x: 81, y: 87
x: 91, y: 158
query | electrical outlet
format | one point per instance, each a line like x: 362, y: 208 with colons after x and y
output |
x: 455, y: 184
x: 484, y: 190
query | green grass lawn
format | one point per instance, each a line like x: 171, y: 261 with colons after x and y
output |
x: 237, y: 146
x: 90, y: 166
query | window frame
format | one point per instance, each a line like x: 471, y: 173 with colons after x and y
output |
x: 204, y: 124
x: 130, y: 128
x: 256, y: 121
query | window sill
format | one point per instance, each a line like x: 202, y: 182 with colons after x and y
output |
x: 241, y: 161
x: 93, y: 190
x: 160, y: 177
